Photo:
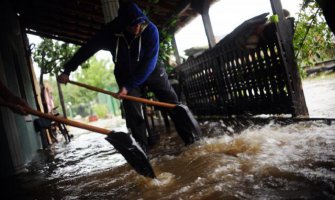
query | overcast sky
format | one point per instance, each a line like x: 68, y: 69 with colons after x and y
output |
x: 226, y: 15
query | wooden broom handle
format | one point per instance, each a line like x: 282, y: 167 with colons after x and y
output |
x: 126, y: 97
x: 62, y: 120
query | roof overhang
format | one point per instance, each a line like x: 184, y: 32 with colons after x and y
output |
x: 75, y: 21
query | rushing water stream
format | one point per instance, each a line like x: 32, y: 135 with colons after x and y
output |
x: 273, y: 160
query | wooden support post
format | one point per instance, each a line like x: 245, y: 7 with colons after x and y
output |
x: 209, y: 30
x: 34, y: 84
x: 61, y: 99
x: 176, y: 52
x: 285, y: 37
x: 202, y: 7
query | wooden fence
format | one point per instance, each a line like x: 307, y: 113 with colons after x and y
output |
x: 227, y: 80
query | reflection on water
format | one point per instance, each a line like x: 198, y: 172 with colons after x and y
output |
x: 271, y: 161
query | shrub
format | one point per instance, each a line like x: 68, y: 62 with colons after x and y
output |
x: 100, y: 110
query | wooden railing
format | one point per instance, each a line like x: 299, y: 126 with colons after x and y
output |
x: 227, y: 80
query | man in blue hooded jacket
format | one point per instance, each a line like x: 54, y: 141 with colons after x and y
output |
x: 133, y: 41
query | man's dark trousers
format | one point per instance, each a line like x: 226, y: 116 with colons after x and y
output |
x: 159, y: 84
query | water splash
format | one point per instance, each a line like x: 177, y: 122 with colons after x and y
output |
x: 162, y: 180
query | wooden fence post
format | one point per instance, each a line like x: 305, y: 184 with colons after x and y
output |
x: 285, y: 37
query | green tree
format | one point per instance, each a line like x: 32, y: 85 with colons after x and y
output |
x: 313, y: 41
x: 165, y: 46
x: 51, y: 55
x: 71, y: 93
x: 100, y: 110
x: 99, y: 73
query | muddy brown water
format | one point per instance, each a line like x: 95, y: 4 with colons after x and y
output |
x: 272, y: 160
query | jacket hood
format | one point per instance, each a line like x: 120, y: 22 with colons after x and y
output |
x: 130, y: 14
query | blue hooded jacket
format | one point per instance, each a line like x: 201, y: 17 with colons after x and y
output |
x: 135, y: 58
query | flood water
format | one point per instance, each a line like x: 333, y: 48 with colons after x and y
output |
x: 271, y: 160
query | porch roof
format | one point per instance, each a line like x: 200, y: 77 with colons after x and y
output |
x: 75, y: 21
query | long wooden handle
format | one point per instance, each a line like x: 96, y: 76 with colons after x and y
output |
x: 62, y: 120
x: 126, y: 97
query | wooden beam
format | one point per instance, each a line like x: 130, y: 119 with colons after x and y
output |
x: 202, y: 7
x: 285, y: 37
x: 59, y: 38
x: 58, y: 30
x: 65, y: 26
x: 66, y: 14
x: 179, y: 9
x: 209, y: 30
x: 75, y: 39
x: 67, y: 8
x: 176, y: 52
